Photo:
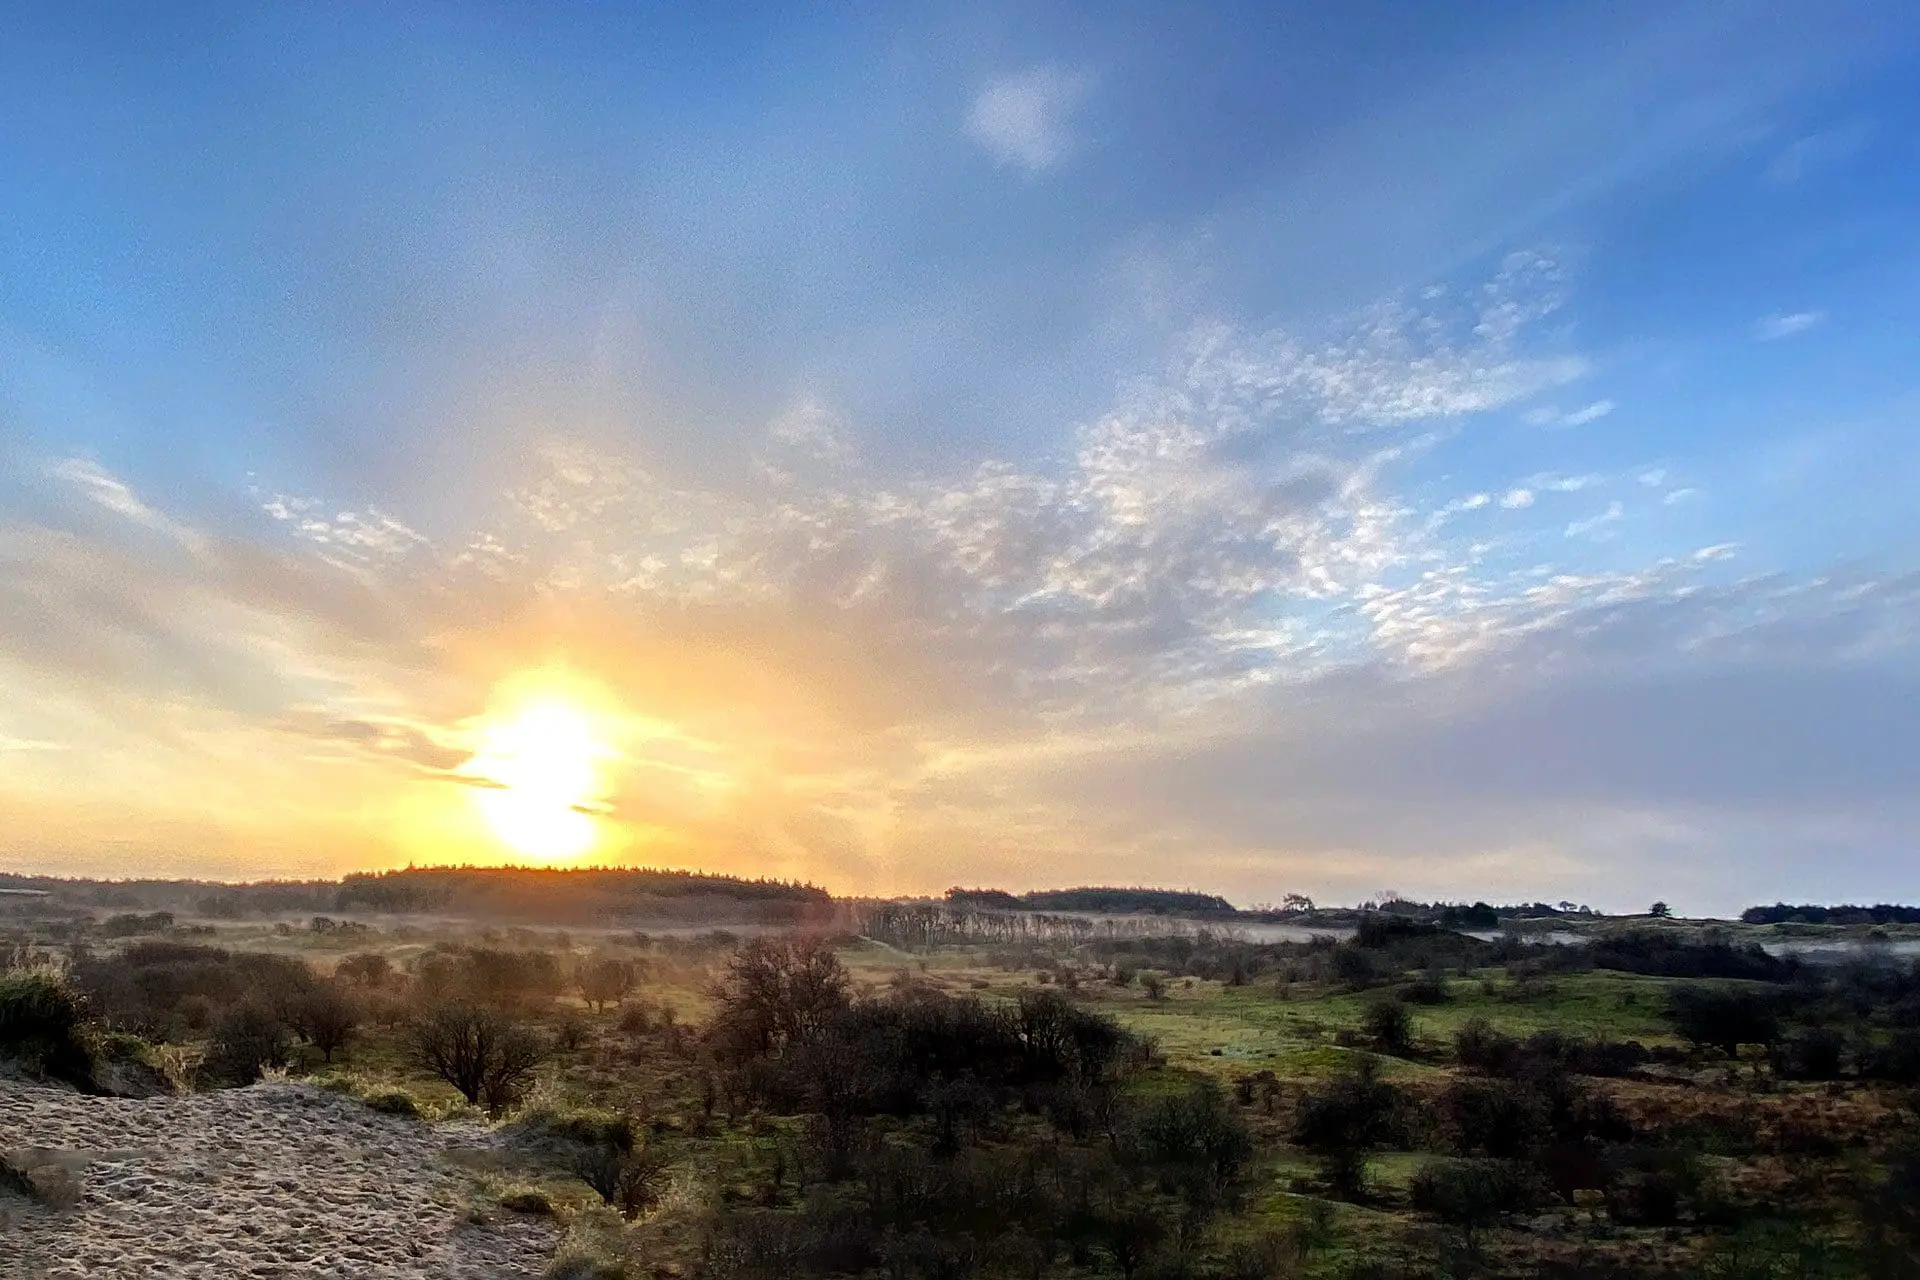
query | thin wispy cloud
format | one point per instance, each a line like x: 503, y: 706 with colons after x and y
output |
x: 1592, y: 524
x: 1225, y: 559
x: 1591, y: 413
x: 1027, y: 119
x: 1809, y: 155
x: 1549, y: 416
x: 1786, y: 324
x: 10, y: 743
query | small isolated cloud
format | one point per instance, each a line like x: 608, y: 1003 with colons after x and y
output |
x: 1718, y: 551
x: 1678, y: 496
x: 1593, y: 524
x: 811, y: 427
x: 1774, y: 327
x: 1592, y: 413
x: 1515, y: 499
x: 1548, y: 415
x: 1654, y: 477
x: 1553, y: 483
x: 1025, y: 119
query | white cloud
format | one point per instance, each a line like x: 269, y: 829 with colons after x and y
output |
x: 808, y: 426
x: 113, y: 494
x: 1653, y: 477
x: 1548, y: 415
x: 1581, y: 528
x: 1592, y: 413
x: 352, y: 536
x: 1517, y: 499
x: 1774, y: 327
x: 1678, y: 496
x: 1026, y: 119
x: 1553, y: 483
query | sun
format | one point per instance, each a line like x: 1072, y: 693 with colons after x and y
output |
x: 538, y: 765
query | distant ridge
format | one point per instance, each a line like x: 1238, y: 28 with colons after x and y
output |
x: 1129, y: 901
x: 583, y: 894
x: 628, y: 896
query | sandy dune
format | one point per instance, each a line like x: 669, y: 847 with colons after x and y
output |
x: 274, y: 1180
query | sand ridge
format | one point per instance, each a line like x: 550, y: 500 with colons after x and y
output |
x: 278, y: 1179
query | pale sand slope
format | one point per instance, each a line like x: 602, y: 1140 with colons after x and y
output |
x: 273, y: 1180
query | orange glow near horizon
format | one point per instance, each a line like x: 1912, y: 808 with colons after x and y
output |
x: 540, y: 756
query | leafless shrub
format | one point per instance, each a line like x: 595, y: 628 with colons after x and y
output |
x: 488, y: 1058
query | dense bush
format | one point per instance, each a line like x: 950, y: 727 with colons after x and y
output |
x: 1398, y: 943
x: 1388, y: 1025
x: 601, y: 1148
x: 1479, y: 1047
x: 172, y: 990
x: 1473, y: 1194
x: 1197, y: 1143
x: 1664, y: 955
x: 606, y: 980
x: 1480, y: 915
x: 1897, y: 1061
x: 367, y: 969
x: 1814, y: 1054
x: 130, y: 926
x: 1350, y: 1116
x: 326, y: 1016
x: 504, y: 979
x: 924, y: 1053
x: 1654, y: 1186
x: 43, y: 1025
x: 1813, y: 913
x: 1890, y: 1214
x: 1497, y: 1118
x: 246, y: 1039
x: 1025, y: 1210
x: 1723, y: 1018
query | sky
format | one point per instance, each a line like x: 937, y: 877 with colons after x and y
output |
x: 1461, y: 450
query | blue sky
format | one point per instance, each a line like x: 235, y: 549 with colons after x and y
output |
x: 1463, y: 449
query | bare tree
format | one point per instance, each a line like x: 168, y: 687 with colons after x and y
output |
x: 486, y: 1057
x: 777, y: 993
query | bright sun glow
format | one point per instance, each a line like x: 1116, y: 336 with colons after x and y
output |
x: 543, y: 757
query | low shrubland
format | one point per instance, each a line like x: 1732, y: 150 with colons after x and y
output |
x: 1186, y: 1106
x: 43, y: 1025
